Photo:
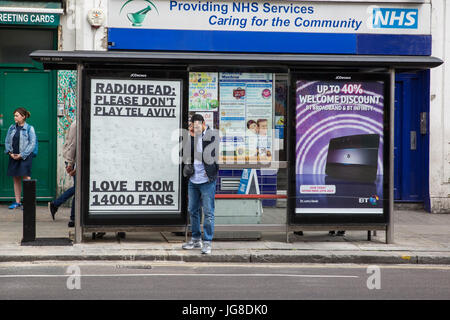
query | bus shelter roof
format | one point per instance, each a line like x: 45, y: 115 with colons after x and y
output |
x: 68, y: 60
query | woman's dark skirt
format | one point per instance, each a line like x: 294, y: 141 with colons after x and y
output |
x: 20, y: 168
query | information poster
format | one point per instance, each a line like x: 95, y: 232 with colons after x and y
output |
x: 339, y: 147
x: 203, y: 91
x: 131, y: 121
x: 246, y: 116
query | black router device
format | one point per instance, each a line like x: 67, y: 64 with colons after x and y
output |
x: 353, y: 158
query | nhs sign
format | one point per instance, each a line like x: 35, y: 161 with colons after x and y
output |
x: 395, y: 18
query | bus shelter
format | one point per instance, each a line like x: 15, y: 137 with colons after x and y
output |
x: 134, y: 107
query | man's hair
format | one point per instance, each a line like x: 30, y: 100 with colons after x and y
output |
x: 261, y: 120
x: 197, y: 117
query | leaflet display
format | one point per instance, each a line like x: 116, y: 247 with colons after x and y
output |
x: 131, y: 122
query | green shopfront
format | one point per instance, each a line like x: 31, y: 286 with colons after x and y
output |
x: 25, y: 27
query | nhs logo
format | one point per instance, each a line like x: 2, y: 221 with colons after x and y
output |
x: 395, y: 18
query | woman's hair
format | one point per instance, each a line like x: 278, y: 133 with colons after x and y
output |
x: 23, y: 112
x: 250, y: 122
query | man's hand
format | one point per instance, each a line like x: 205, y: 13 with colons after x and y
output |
x: 72, y: 173
x: 70, y: 170
x: 16, y: 156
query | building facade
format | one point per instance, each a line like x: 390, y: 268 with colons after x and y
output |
x: 396, y: 27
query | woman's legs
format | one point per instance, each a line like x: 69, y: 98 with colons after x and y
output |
x: 17, y: 188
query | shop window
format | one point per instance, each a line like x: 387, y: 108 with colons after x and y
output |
x: 248, y: 109
x: 17, y: 44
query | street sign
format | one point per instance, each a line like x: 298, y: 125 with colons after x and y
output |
x: 29, y: 19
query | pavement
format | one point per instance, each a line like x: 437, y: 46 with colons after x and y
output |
x: 419, y: 238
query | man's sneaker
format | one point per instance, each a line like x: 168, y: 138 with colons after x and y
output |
x: 193, y: 244
x: 15, y: 205
x: 99, y: 235
x: 53, y: 209
x: 206, y: 247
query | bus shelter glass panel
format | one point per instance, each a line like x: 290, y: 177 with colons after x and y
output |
x: 248, y: 109
x: 240, y: 106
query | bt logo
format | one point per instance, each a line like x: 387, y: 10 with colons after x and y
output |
x: 395, y: 18
x: 373, y: 200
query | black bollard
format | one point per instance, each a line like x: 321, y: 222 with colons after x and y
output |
x: 29, y: 210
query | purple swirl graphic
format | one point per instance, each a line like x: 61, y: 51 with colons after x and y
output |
x: 345, y: 109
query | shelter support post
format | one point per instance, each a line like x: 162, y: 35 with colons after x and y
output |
x: 390, y: 224
x: 78, y: 227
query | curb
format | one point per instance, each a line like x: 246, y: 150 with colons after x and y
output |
x: 266, y: 256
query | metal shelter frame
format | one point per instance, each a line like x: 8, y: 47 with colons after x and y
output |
x: 193, y: 61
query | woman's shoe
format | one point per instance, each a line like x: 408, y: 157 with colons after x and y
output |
x: 15, y: 205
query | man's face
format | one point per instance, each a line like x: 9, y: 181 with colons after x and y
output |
x: 199, y: 126
x: 263, y: 128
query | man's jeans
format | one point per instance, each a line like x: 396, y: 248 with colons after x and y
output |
x: 66, y: 196
x: 202, y: 195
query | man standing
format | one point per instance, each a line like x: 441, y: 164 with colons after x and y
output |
x: 201, y: 168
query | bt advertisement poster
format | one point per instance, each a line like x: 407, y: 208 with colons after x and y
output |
x: 339, y: 147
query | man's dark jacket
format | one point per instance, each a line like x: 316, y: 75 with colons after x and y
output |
x: 209, y: 157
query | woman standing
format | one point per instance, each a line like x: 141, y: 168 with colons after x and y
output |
x: 19, y: 145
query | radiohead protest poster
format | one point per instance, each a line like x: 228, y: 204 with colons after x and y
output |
x: 131, y: 125
x: 340, y: 146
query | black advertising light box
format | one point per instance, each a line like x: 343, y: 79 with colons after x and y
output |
x: 339, y: 149
x: 131, y: 169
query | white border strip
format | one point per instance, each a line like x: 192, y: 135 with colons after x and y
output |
x: 31, y: 10
x: 339, y: 210
x: 246, y: 275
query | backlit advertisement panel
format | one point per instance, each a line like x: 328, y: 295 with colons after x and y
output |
x: 340, y: 146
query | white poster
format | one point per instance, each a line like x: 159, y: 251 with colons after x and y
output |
x: 131, y: 125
